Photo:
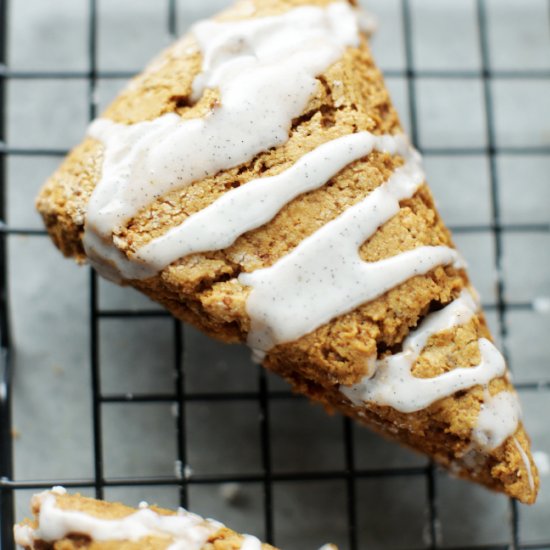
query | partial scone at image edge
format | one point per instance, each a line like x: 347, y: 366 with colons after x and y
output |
x: 256, y: 182
x: 65, y: 521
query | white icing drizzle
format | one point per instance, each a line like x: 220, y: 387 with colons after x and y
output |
x: 252, y: 205
x: 324, y: 276
x: 265, y: 70
x: 526, y: 463
x: 24, y: 535
x: 498, y: 419
x: 393, y: 383
x: 368, y: 23
x: 241, y: 51
x: 188, y: 531
x: 251, y: 543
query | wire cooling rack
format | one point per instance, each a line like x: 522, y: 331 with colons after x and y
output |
x: 513, y: 532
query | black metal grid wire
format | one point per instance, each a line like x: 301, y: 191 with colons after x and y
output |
x: 263, y: 397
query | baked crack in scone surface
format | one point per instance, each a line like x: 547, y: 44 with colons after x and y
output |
x: 255, y: 180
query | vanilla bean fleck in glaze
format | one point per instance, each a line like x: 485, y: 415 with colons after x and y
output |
x: 257, y: 202
x: 393, y: 383
x: 324, y: 276
x: 265, y: 70
x: 497, y: 420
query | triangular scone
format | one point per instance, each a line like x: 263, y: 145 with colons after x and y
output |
x: 255, y: 181
x: 70, y: 522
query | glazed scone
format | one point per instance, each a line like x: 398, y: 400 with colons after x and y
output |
x: 70, y: 522
x: 255, y: 181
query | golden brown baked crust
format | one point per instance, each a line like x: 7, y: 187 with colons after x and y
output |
x: 223, y: 539
x: 202, y: 289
